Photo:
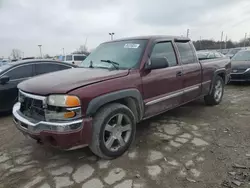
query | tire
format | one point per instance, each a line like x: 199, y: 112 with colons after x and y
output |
x: 215, y: 97
x: 103, y: 135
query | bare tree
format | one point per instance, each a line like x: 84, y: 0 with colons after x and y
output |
x: 47, y: 56
x: 16, y: 54
x: 82, y: 50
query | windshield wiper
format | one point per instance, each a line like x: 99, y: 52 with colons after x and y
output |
x: 115, y: 64
x: 91, y: 64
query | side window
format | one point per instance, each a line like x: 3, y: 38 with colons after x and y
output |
x: 21, y: 72
x: 79, y: 58
x: 165, y: 50
x: 186, y: 52
x: 43, y: 68
x: 69, y: 58
x: 63, y: 67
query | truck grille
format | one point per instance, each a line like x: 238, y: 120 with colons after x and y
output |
x: 32, y: 108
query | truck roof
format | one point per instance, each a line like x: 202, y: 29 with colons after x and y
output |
x: 153, y: 37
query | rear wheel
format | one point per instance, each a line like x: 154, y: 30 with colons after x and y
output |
x: 114, y: 128
x: 215, y: 97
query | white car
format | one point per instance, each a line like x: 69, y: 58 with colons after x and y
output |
x: 75, y: 59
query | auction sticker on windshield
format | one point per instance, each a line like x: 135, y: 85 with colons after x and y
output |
x: 131, y: 45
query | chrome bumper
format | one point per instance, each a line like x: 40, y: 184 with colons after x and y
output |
x: 34, y: 127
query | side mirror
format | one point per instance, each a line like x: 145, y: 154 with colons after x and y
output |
x: 4, y: 80
x: 157, y: 63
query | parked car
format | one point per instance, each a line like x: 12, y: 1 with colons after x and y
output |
x: 75, y: 59
x: 3, y: 62
x: 223, y: 51
x: 232, y: 52
x: 241, y: 66
x: 12, y: 74
x: 208, y: 54
x: 121, y: 83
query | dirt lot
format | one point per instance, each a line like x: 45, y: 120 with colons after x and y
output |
x: 193, y: 147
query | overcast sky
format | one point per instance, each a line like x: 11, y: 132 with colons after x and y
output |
x: 58, y: 24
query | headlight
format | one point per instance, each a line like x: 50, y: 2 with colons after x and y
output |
x: 63, y: 108
x: 63, y: 101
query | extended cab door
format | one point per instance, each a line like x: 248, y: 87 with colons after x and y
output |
x: 192, y: 71
x: 162, y: 88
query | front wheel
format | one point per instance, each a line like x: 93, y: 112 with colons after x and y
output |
x: 114, y: 128
x: 215, y: 97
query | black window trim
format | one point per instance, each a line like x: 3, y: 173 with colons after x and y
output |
x: 33, y: 68
x: 57, y: 63
x: 18, y: 66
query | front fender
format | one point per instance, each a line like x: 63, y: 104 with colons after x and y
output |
x: 99, y: 101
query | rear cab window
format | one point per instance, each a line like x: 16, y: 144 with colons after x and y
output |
x: 217, y: 55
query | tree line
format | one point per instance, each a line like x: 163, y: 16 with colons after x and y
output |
x: 205, y: 44
x: 212, y: 44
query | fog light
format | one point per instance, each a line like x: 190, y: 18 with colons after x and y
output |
x: 70, y: 114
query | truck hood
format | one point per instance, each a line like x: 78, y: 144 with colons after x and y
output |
x: 240, y: 64
x: 67, y: 80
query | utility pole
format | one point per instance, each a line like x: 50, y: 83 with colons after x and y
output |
x: 187, y: 33
x: 200, y: 42
x: 86, y: 40
x: 226, y: 43
x: 63, y: 52
x: 111, y: 35
x: 245, y: 39
x: 40, y: 47
x: 221, y: 40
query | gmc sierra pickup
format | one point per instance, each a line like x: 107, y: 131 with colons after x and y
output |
x: 121, y: 83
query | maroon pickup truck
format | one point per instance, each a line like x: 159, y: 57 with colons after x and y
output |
x: 119, y: 84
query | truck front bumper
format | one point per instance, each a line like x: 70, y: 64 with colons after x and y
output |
x: 64, y: 135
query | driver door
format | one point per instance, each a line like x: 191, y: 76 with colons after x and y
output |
x: 162, y: 88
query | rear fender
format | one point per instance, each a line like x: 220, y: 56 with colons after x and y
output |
x: 216, y: 73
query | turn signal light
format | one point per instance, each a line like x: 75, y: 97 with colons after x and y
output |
x: 69, y: 114
x: 72, y: 101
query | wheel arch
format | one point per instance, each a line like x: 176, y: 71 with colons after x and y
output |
x: 128, y: 97
x: 222, y: 74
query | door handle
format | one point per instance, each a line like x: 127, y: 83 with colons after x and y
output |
x: 179, y: 73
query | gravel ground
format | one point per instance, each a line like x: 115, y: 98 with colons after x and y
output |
x: 193, y: 146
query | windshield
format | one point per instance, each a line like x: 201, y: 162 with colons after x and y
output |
x: 242, y: 56
x: 79, y: 57
x: 233, y: 51
x: 126, y: 53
